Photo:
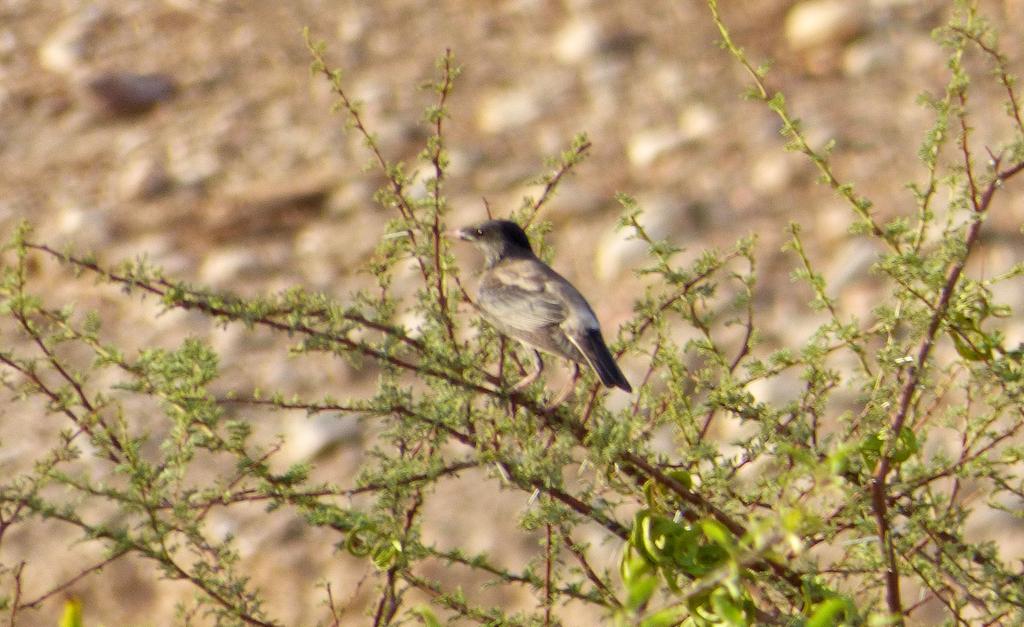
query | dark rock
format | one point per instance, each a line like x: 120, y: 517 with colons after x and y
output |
x: 127, y: 93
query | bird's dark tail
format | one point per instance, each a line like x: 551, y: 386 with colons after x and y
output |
x: 600, y: 359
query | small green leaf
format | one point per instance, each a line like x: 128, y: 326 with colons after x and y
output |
x: 968, y: 352
x: 665, y: 618
x: 633, y: 565
x: 639, y: 591
x: 657, y: 534
x: 905, y: 446
x: 638, y: 576
x: 427, y: 617
x: 717, y: 533
x: 827, y: 612
x: 726, y: 609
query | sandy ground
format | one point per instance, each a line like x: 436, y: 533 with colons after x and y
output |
x: 240, y: 177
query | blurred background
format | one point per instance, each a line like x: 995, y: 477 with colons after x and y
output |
x: 191, y: 132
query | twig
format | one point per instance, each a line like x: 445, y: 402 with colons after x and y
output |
x: 791, y: 129
x: 589, y: 570
x: 547, y: 577
x: 335, y: 616
x: 577, y: 153
x: 36, y: 602
x: 436, y: 150
x: 1004, y: 76
x: 16, y: 601
x: 400, y: 199
x: 879, y: 484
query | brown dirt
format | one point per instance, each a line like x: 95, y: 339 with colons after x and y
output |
x: 244, y: 179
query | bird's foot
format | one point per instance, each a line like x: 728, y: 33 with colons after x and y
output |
x: 524, y: 382
x: 538, y: 367
x: 565, y: 392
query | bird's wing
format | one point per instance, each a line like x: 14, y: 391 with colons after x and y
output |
x: 591, y: 345
x: 518, y: 296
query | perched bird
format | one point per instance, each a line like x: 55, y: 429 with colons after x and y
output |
x: 528, y: 301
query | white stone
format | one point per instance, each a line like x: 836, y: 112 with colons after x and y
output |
x: 310, y: 437
x: 922, y: 54
x: 862, y: 58
x: 832, y: 221
x: 669, y: 81
x: 86, y: 227
x: 222, y: 266
x: 646, y: 146
x: 697, y: 121
x: 576, y: 41
x: 771, y: 173
x: 63, y: 51
x: 143, y: 179
x: 191, y: 164
x: 352, y: 23
x: 823, y: 24
x: 506, y: 109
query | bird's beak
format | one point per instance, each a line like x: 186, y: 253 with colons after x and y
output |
x: 463, y: 234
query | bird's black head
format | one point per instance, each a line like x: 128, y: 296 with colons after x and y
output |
x: 497, y: 239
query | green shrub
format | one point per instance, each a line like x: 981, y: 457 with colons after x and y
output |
x: 823, y: 509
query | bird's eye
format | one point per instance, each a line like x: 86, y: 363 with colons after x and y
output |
x: 479, y: 232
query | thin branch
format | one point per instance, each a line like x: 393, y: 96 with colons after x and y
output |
x: 95, y: 568
x: 457, y: 604
x: 1000, y: 61
x: 791, y: 129
x: 335, y: 616
x: 879, y: 483
x: 16, y: 603
x: 548, y: 598
x: 528, y: 578
x: 603, y: 588
x: 436, y: 150
x: 187, y: 300
x: 576, y: 154
x: 55, y: 400
x: 790, y: 576
x: 398, y: 191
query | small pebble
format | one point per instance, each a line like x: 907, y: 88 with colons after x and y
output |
x: 645, y: 147
x: 772, y: 173
x: 67, y: 47
x: 576, y: 41
x: 506, y: 110
x: 144, y: 179
x: 698, y: 121
x: 863, y: 58
x: 222, y: 266
x: 128, y: 93
x: 823, y: 24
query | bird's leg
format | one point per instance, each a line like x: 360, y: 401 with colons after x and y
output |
x: 567, y: 390
x: 538, y: 365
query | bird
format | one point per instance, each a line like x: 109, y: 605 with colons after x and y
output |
x: 524, y: 299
